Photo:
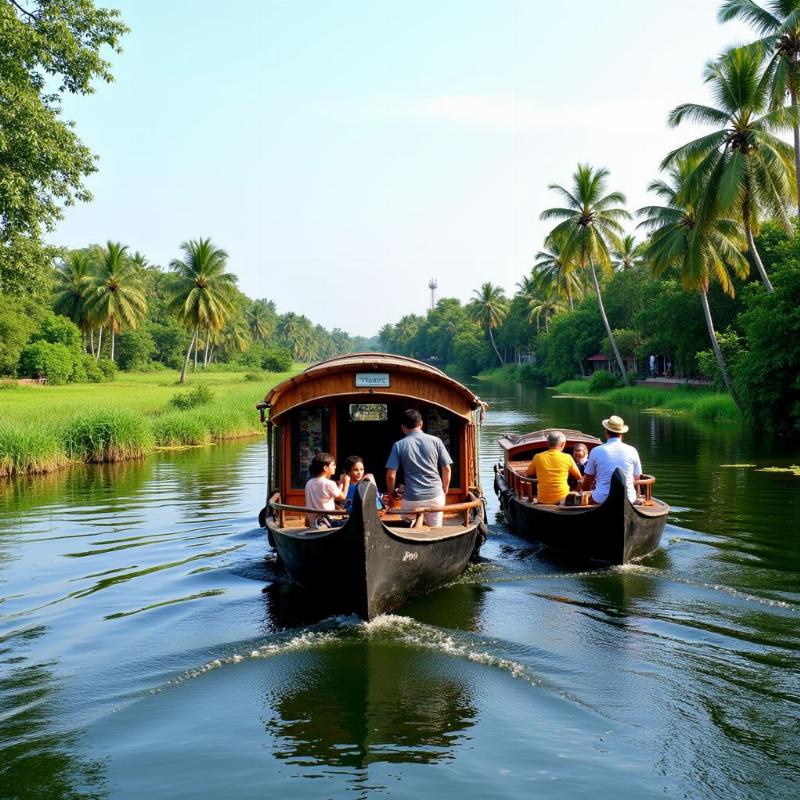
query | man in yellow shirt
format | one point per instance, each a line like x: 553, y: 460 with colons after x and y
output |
x: 552, y: 468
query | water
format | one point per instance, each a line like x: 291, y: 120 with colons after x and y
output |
x: 149, y: 647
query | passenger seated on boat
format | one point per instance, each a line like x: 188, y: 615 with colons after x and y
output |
x: 354, y: 470
x: 581, y: 455
x: 605, y: 458
x: 321, y: 492
x: 552, y: 468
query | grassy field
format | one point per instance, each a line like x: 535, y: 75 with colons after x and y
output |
x: 696, y: 402
x: 44, y: 428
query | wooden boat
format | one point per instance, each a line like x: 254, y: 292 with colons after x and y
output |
x: 615, y: 532
x: 374, y: 561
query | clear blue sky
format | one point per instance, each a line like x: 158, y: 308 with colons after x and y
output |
x: 345, y: 152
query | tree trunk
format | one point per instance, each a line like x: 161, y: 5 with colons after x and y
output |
x: 751, y: 246
x: 499, y: 357
x: 715, y: 345
x: 188, y: 353
x: 196, y: 338
x: 91, y: 339
x: 99, y: 343
x: 208, y: 343
x: 611, y: 338
x: 113, y: 341
x: 796, y: 130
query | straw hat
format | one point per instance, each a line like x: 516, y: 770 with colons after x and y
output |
x: 615, y: 424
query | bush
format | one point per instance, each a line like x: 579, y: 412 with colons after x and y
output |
x: 276, y: 359
x: 59, y: 330
x: 199, y: 396
x: 55, y: 362
x: 107, y: 435
x: 91, y: 369
x: 602, y: 381
x: 108, y: 368
x: 135, y: 349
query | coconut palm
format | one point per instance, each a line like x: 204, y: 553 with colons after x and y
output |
x: 489, y: 307
x: 202, y: 293
x: 701, y: 253
x: 589, y: 222
x: 628, y: 255
x: 72, y: 286
x: 778, y: 27
x: 116, y: 297
x: 545, y: 304
x: 551, y: 268
x: 742, y: 167
x: 260, y: 320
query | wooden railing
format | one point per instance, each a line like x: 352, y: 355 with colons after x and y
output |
x: 525, y: 487
x: 279, y: 510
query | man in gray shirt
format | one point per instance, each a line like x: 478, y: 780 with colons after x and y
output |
x: 423, y: 457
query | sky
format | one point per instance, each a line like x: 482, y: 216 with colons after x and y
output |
x: 346, y: 152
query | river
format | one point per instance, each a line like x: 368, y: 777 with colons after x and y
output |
x: 149, y: 646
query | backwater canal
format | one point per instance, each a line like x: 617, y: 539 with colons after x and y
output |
x: 149, y: 647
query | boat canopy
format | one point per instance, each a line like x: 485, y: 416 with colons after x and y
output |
x: 375, y: 377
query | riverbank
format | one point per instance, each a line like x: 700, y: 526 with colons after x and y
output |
x: 45, y: 428
x: 699, y: 402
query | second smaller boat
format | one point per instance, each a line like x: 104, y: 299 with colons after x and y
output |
x: 615, y: 532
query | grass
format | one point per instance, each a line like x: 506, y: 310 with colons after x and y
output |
x: 45, y: 428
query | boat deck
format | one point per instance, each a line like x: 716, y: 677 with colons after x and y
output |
x: 453, y: 525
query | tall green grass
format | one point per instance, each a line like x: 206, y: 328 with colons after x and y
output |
x: 573, y: 387
x: 29, y: 448
x: 179, y: 429
x: 111, y: 434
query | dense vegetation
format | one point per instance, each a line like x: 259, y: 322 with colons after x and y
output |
x: 712, y: 290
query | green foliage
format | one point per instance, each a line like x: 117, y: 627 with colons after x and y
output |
x: 56, y: 362
x: 276, y: 359
x: 767, y: 379
x: 29, y: 447
x: 134, y: 349
x: 18, y: 321
x: 199, y: 396
x: 731, y: 345
x: 108, y: 368
x: 48, y: 49
x: 59, y: 330
x: 602, y: 381
x: 91, y: 370
x: 111, y: 434
x: 178, y: 428
x: 471, y: 351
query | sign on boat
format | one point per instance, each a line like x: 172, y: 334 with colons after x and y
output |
x: 375, y: 560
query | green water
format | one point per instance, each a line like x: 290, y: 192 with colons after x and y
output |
x: 149, y: 646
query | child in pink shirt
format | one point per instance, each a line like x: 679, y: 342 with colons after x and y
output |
x: 321, y: 492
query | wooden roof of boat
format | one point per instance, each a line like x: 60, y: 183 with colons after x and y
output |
x: 516, y: 442
x: 409, y: 378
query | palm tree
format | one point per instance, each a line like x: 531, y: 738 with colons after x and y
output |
x: 72, y: 286
x: 628, y: 255
x: 116, y: 297
x: 260, y: 320
x: 489, y: 307
x: 587, y: 224
x: 545, y: 304
x: 700, y: 253
x: 551, y: 268
x: 742, y: 167
x: 203, y: 294
x: 779, y: 44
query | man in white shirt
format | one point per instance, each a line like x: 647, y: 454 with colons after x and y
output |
x: 603, y: 460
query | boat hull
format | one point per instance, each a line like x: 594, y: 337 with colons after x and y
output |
x: 367, y: 568
x: 616, y: 532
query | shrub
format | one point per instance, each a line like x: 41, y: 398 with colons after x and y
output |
x: 91, y: 369
x: 254, y: 377
x: 199, y: 396
x: 107, y: 435
x: 602, y: 381
x: 108, y: 368
x: 276, y: 359
x: 45, y: 359
x: 59, y: 330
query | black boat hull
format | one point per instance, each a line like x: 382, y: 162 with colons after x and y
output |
x: 367, y: 568
x: 616, y: 532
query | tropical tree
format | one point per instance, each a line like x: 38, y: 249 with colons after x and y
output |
x: 545, y: 304
x: 701, y: 253
x: 742, y: 167
x: 489, y: 307
x: 588, y: 223
x: 202, y: 293
x: 260, y: 320
x: 116, y: 297
x: 779, y: 43
x: 551, y: 268
x: 628, y: 255
x: 72, y: 286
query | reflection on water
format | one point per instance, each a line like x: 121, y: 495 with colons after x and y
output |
x: 375, y: 702
x: 149, y: 646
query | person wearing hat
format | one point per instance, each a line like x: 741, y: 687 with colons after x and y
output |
x: 603, y: 460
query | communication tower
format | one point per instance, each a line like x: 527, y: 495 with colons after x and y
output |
x: 433, y: 285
